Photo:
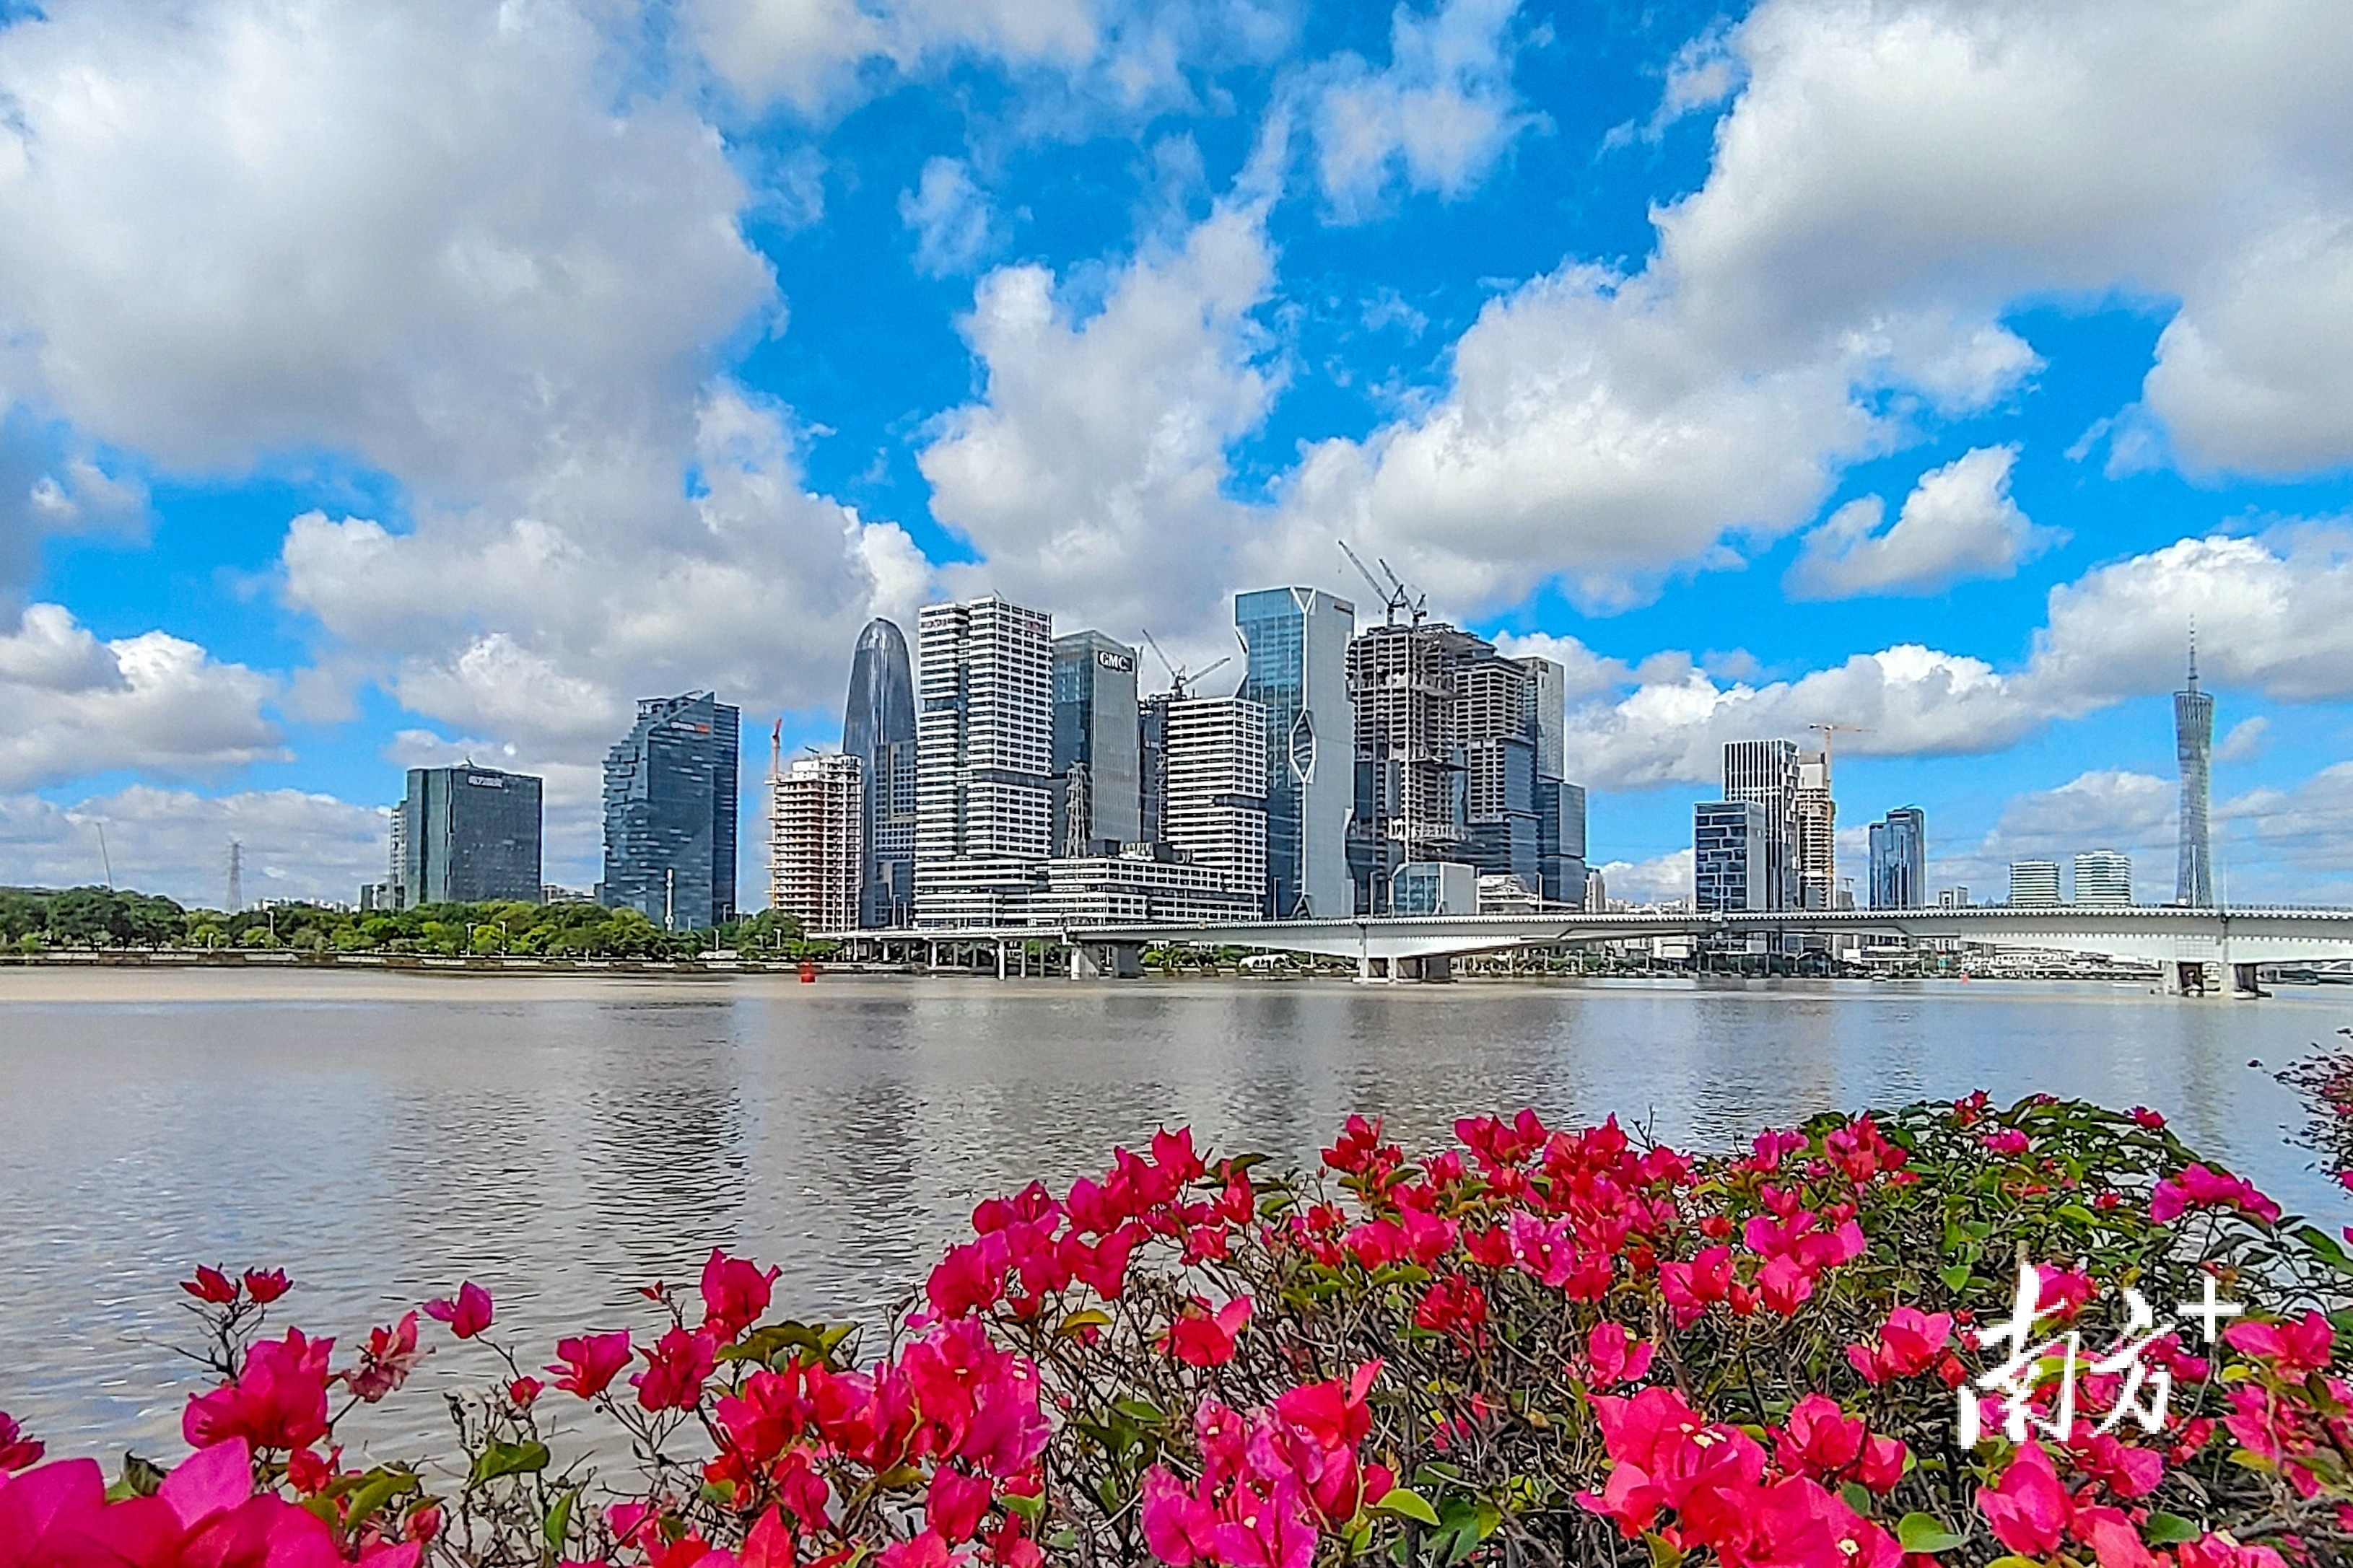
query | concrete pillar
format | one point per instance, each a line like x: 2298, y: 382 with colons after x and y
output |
x: 2243, y: 984
x: 932, y: 962
x: 1000, y: 958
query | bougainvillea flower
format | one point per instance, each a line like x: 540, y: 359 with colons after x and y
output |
x: 1910, y: 1342
x: 266, y: 1285
x: 2294, y: 1350
x: 734, y: 1293
x: 279, y: 1400
x: 675, y: 1368
x: 2028, y: 1508
x: 955, y: 1504
x: 16, y: 1450
x: 2112, y: 1537
x: 2007, y: 1140
x: 1614, y: 1356
x: 2149, y: 1118
x: 1808, y: 1526
x: 1691, y: 1287
x: 211, y: 1285
x: 386, y: 1359
x: 523, y: 1391
x: 587, y: 1364
x: 467, y: 1313
x: 1453, y: 1305
x: 1203, y: 1338
x: 2216, y: 1551
x: 1820, y: 1440
x: 2198, y: 1187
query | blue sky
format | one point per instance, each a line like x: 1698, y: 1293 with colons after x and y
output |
x: 387, y: 387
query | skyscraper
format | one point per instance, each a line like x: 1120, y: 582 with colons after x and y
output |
x: 1496, y: 720
x: 1097, y: 794
x: 468, y: 835
x: 1899, y: 860
x: 669, y: 812
x: 1217, y: 789
x: 984, y: 740
x: 2193, y: 747
x: 1766, y: 771
x: 2103, y: 878
x: 878, y: 727
x: 1561, y: 806
x: 1296, y: 642
x: 1816, y: 828
x: 1731, y: 857
x: 817, y: 821
x: 1407, y: 684
x: 2034, y: 884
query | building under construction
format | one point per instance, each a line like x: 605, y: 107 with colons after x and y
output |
x: 816, y: 819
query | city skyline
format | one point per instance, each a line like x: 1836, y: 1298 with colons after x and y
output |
x: 710, y: 357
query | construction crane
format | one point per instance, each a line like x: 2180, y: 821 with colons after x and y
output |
x: 1828, y: 730
x: 1179, y: 676
x: 1395, y: 596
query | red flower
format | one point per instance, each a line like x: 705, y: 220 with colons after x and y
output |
x: 1691, y: 1287
x: 467, y: 1314
x: 1202, y: 1338
x: 675, y: 1369
x: 386, y: 1359
x: 2294, y: 1350
x: 1453, y: 1305
x: 734, y: 1293
x: 278, y: 1401
x: 523, y: 1391
x: 211, y: 1285
x: 2147, y: 1118
x: 955, y: 1504
x: 16, y: 1450
x: 587, y: 1364
x: 2028, y: 1508
x: 265, y: 1286
x: 1910, y: 1342
x: 1614, y: 1356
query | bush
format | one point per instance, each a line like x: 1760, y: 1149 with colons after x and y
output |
x: 1536, y: 1347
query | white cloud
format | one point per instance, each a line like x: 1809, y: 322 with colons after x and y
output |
x: 2292, y: 844
x: 71, y: 705
x: 951, y: 216
x: 2246, y: 742
x: 50, y: 483
x: 1584, y: 672
x: 1437, y: 117
x: 175, y: 843
x: 2100, y: 809
x: 1662, y: 879
x: 1959, y: 521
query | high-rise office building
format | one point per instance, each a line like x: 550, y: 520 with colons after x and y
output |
x: 466, y: 835
x: 1766, y: 771
x: 669, y: 812
x: 1732, y: 857
x: 1899, y: 859
x: 2104, y: 878
x: 985, y: 743
x: 2193, y: 747
x: 2034, y: 884
x: 1097, y: 793
x: 1496, y: 720
x: 1816, y: 829
x: 1217, y: 789
x: 1152, y: 767
x: 1296, y: 644
x: 817, y: 829
x: 393, y: 873
x: 878, y: 727
x: 1559, y: 804
x: 1410, y: 800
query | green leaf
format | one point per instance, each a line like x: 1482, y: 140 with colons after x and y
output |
x: 2171, y: 1530
x: 1028, y: 1507
x: 1663, y: 1555
x: 558, y: 1527
x: 1925, y: 1533
x: 1140, y: 1410
x: 1404, y: 1502
x: 1956, y: 1277
x: 139, y: 1478
x: 380, y: 1488
x: 509, y: 1459
x: 1857, y: 1498
x: 1079, y: 1321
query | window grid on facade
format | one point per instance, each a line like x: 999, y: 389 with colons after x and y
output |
x: 816, y: 842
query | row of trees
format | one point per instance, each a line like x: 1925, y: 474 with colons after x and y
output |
x: 35, y: 919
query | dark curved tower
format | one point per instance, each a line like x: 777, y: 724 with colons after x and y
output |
x: 878, y: 727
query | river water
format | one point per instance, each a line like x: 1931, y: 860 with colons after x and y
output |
x: 563, y: 1141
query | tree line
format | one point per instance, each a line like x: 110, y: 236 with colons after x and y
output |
x: 34, y: 920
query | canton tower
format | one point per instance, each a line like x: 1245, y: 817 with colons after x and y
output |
x: 2193, y: 745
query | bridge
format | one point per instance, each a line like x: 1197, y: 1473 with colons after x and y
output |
x: 2184, y: 942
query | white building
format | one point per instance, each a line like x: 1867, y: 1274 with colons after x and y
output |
x: 2034, y: 884
x: 984, y: 748
x: 1131, y: 889
x: 2104, y: 878
x: 1217, y: 789
x: 1766, y: 772
x: 817, y: 818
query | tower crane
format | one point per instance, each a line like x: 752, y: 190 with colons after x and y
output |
x: 1179, y: 676
x: 1395, y: 596
x: 1828, y: 730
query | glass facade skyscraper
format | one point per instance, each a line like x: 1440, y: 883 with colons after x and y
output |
x: 1296, y: 640
x: 1097, y: 793
x: 878, y: 727
x: 669, y: 812
x: 1899, y: 860
x: 467, y: 835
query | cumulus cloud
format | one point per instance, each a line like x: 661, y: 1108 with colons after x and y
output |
x: 72, y: 705
x: 2294, y: 843
x: 1959, y: 521
x: 2118, y: 809
x: 951, y: 216
x: 1437, y: 117
x: 2245, y: 741
x: 175, y: 843
x: 1662, y: 879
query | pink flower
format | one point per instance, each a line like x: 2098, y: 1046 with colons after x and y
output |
x: 2147, y: 1118
x: 734, y: 1293
x: 2198, y: 1187
x: 2294, y: 1350
x: 955, y: 1504
x: 1614, y: 1356
x: 1820, y: 1440
x: 1808, y: 1526
x: 1203, y: 1338
x: 278, y: 1401
x: 588, y: 1364
x: 2007, y: 1140
x: 1909, y: 1343
x: 211, y: 1285
x: 1179, y: 1527
x: 16, y: 1451
x: 467, y: 1314
x: 386, y: 1359
x: 523, y: 1391
x: 2028, y: 1508
x: 1692, y: 1287
x: 675, y: 1369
